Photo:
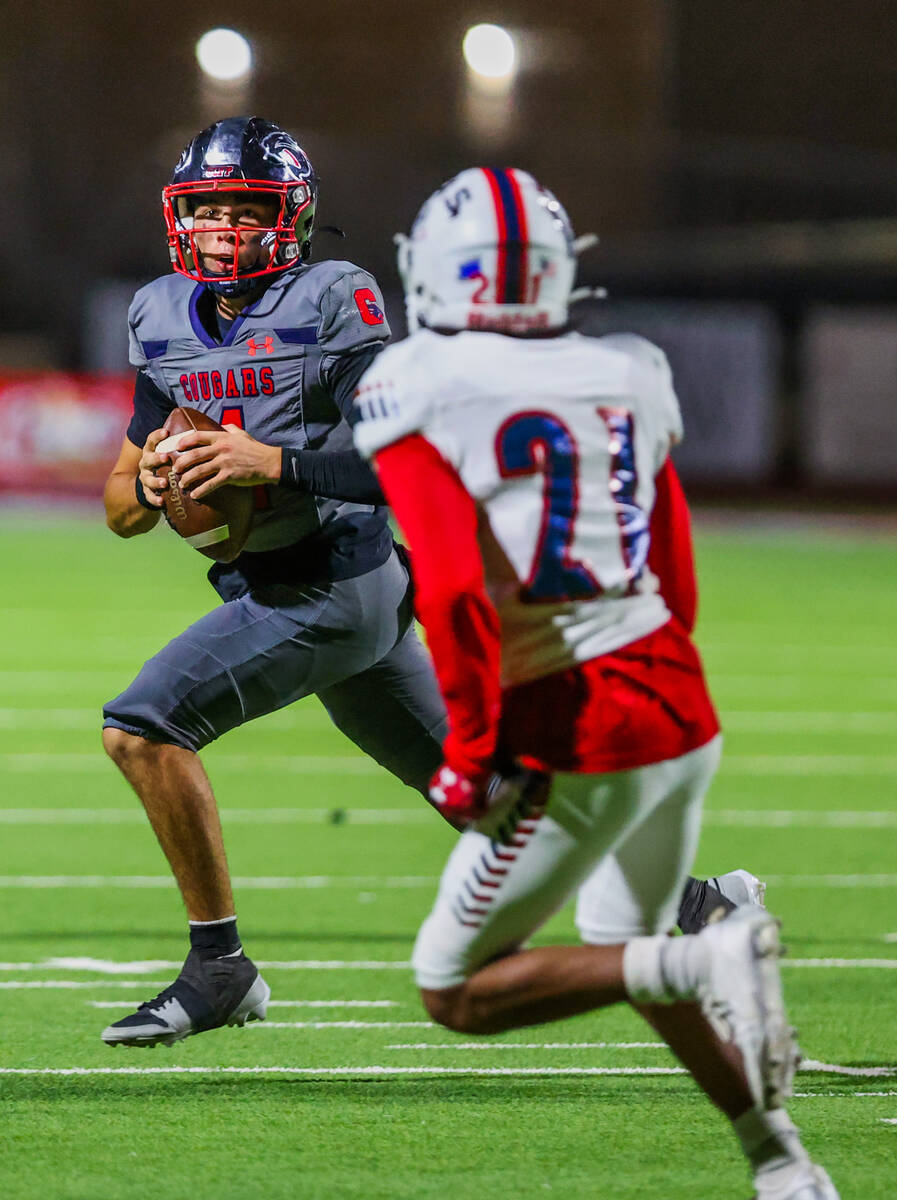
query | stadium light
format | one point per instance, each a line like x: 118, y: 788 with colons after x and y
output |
x: 224, y: 55
x: 490, y: 52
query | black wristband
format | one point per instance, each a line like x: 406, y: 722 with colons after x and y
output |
x: 141, y: 496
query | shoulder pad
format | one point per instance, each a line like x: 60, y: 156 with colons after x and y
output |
x: 351, y: 308
x: 152, y: 315
x: 656, y: 378
x: 636, y: 347
x: 390, y: 402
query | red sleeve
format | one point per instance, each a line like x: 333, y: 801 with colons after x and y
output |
x: 671, y: 556
x: 439, y: 520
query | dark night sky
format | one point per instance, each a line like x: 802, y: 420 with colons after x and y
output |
x: 645, y: 117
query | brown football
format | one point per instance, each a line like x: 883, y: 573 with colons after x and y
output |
x: 219, y: 526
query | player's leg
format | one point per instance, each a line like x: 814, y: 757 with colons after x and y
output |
x: 622, y: 900
x: 472, y: 979
x: 493, y: 894
x: 244, y: 659
x: 177, y: 796
x: 394, y: 712
x: 514, y: 888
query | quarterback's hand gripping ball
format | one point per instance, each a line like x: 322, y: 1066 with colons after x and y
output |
x: 217, y: 526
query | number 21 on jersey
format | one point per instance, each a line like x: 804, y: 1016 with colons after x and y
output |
x: 539, y: 443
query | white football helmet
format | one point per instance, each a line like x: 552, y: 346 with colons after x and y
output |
x: 492, y: 249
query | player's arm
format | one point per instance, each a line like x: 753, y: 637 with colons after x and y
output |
x: 352, y: 331
x: 439, y: 521
x: 133, y: 494
x: 337, y: 474
x: 128, y: 510
x: 671, y: 554
x: 209, y: 459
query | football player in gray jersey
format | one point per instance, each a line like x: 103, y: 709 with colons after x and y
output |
x: 272, y: 346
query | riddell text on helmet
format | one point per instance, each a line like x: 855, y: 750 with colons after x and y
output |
x: 508, y: 322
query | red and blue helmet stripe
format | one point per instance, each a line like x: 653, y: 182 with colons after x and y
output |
x: 511, y: 284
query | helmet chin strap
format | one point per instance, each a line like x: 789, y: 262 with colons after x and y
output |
x: 234, y: 287
x: 240, y: 286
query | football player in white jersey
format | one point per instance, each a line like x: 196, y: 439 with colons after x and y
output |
x: 529, y: 469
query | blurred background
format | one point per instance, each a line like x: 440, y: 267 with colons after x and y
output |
x: 738, y: 159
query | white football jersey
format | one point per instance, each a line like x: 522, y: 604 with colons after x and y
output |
x: 558, y: 441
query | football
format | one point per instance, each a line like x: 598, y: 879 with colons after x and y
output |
x: 219, y: 526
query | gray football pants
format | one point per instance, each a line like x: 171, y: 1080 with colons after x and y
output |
x: 352, y: 642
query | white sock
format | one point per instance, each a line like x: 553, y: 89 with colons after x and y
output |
x: 769, y: 1139
x: 661, y: 970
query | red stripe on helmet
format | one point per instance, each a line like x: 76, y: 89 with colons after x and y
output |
x: 523, y: 289
x: 502, y: 269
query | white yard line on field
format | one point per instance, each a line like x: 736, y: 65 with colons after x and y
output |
x: 273, y: 1003
x: 809, y: 764
x: 789, y: 818
x: 23, y: 985
x: 764, y: 721
x: 810, y: 1064
x: 341, y: 1025
x: 108, y: 967
x: 297, y: 764
x: 91, y: 718
x: 352, y: 1071
x: 743, y: 721
x: 248, y: 882
x: 304, y: 764
x: 361, y: 1072
x: 52, y: 680
x: 759, y: 818
x: 530, y: 1046
x: 371, y: 882
x: 772, y: 687
x: 833, y: 881
x: 843, y: 964
x: 231, y: 816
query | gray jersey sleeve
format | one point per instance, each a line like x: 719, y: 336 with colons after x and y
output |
x: 352, y: 331
x: 352, y: 313
x: 136, y: 357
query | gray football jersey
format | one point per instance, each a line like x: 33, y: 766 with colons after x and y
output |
x: 273, y: 373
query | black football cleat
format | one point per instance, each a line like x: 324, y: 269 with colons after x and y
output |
x: 208, y: 993
x: 707, y: 900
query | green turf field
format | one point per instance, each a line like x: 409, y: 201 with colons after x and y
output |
x: 346, y: 1091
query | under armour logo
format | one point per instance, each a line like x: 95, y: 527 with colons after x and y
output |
x: 253, y: 346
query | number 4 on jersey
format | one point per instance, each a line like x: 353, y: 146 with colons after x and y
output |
x: 531, y: 443
x: 260, y: 495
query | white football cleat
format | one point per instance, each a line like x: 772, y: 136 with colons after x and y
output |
x: 812, y: 1183
x: 740, y: 993
x: 740, y: 887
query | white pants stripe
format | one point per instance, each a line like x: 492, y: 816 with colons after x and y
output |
x: 623, y: 841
